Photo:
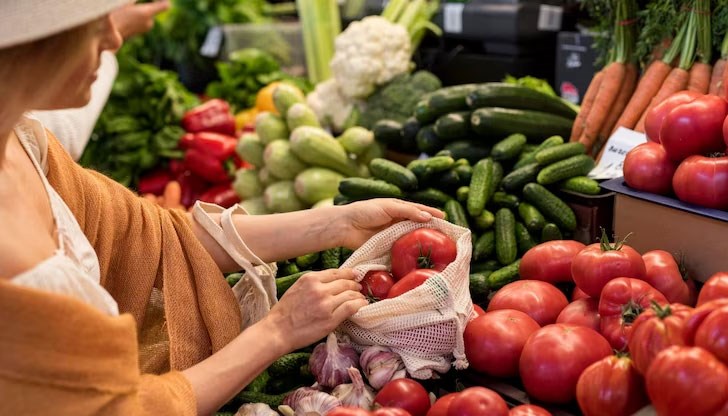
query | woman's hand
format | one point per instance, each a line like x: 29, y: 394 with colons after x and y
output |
x: 314, y: 306
x: 362, y: 220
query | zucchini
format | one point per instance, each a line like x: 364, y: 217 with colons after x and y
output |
x: 410, y: 128
x: 535, y: 125
x: 393, y: 173
x: 462, y: 193
x: 504, y: 275
x: 289, y: 365
x: 551, y: 232
x: 504, y: 200
x: 388, y: 132
x: 316, y: 184
x: 553, y: 154
x: 425, y: 168
x: 484, y: 246
x: 259, y: 383
x: 532, y: 218
x: 509, y: 148
x: 480, y: 186
x: 318, y: 148
x: 233, y: 278
x: 430, y: 196
x: 300, y: 114
x: 531, y: 157
x: 473, y: 150
x: 307, y: 261
x: 485, y: 266
x: 479, y: 288
x: 443, y: 101
x: 365, y: 188
x: 453, y: 125
x: 517, y: 179
x: 506, y: 247
x: 550, y: 206
x: 272, y: 400
x: 342, y: 200
x: 428, y: 141
x: 485, y: 220
x: 356, y: 140
x: 578, y: 165
x: 581, y: 184
x: 523, y: 238
x: 284, y: 283
x: 516, y: 96
x: 331, y: 258
x: 456, y: 213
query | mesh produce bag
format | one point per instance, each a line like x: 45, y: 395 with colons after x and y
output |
x: 425, y: 325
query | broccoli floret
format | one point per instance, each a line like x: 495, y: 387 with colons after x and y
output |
x: 426, y: 81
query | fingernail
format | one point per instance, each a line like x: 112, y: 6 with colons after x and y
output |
x: 425, y: 215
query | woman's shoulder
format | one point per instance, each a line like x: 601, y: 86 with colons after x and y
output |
x: 34, y: 137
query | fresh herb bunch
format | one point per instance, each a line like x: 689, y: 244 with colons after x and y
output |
x: 139, y: 125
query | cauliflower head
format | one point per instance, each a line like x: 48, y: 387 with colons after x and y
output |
x: 369, y: 53
x: 331, y: 106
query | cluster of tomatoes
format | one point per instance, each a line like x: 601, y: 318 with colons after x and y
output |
x: 623, y: 301
x: 416, y: 256
x: 685, y: 154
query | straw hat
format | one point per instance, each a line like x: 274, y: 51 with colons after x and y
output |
x: 28, y: 20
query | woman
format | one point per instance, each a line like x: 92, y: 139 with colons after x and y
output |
x: 111, y: 305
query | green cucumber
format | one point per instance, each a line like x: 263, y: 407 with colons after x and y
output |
x: 484, y: 246
x: 453, y: 126
x: 473, y: 150
x: 307, y: 261
x: 233, y: 278
x: 259, y: 383
x: 331, y: 258
x: 532, y: 218
x: 285, y: 282
x: 272, y: 400
x: 479, y: 288
x: 480, y: 186
x: 340, y: 199
x: 495, y: 180
x: 516, y: 96
x: 581, y: 184
x: 517, y: 179
x: 523, y: 238
x: 551, y: 232
x: 290, y: 268
x: 425, y: 168
x: 465, y: 173
x: 504, y: 200
x: 506, y: 247
x: 578, y: 165
x: 550, y: 206
x: 462, y: 193
x: 344, y: 254
x: 443, y: 101
x: 508, y: 148
x: 393, y: 173
x: 531, y: 157
x: 410, y: 128
x: 485, y: 266
x: 536, y: 125
x: 456, y: 213
x: 504, y: 275
x: 428, y: 141
x: 485, y: 220
x: 553, y: 154
x: 365, y: 188
x: 430, y: 196
x: 388, y: 132
x: 289, y: 365
x: 446, y: 181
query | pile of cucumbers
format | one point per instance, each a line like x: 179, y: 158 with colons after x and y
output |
x: 474, y: 115
x: 508, y: 198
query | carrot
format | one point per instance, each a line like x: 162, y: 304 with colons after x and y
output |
x: 586, y: 104
x: 716, y: 84
x: 630, y: 79
x: 608, y: 91
x: 676, y: 81
x: 648, y: 86
x: 699, y: 79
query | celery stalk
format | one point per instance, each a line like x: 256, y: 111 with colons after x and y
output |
x: 394, y: 10
x: 321, y: 24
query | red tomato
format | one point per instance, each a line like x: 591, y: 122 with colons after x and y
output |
x: 656, y: 115
x: 648, y: 168
x: 528, y: 410
x: 654, y: 330
x: 601, y: 262
x: 412, y: 280
x: 441, y: 405
x: 578, y: 294
x: 716, y: 287
x: 555, y: 356
x: 376, y: 284
x: 706, y: 328
x: 423, y: 248
x: 702, y: 181
x: 478, y: 311
x: 687, y: 381
x: 694, y: 128
x: 622, y: 300
x: 663, y: 273
x: 348, y: 411
x: 540, y: 300
x: 406, y: 394
x: 582, y: 312
x: 494, y: 341
x: 478, y: 401
x: 725, y: 131
x: 550, y: 261
x: 611, y: 387
x: 390, y: 411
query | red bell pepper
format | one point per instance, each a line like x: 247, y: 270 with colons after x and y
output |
x: 185, y: 142
x: 622, y: 300
x: 177, y: 167
x: 191, y: 186
x: 219, y: 146
x: 212, y: 116
x: 222, y: 195
x: 206, y: 166
x: 154, y: 182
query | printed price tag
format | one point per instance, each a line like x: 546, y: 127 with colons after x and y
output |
x: 453, y: 17
x: 549, y: 17
x: 213, y: 42
x: 616, y: 148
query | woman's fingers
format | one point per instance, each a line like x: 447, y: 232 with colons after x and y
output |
x: 348, y: 308
x: 410, y: 211
x: 331, y: 275
x: 342, y: 285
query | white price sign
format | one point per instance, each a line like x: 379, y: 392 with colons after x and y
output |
x: 453, y: 17
x: 615, y: 150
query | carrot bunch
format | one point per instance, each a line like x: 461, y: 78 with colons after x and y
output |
x: 719, y: 78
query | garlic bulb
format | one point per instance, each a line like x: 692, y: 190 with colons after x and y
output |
x: 295, y: 397
x: 330, y: 361
x: 356, y: 394
x: 381, y: 365
x: 317, y: 404
x: 256, y: 409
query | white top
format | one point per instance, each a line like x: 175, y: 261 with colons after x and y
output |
x: 74, y: 268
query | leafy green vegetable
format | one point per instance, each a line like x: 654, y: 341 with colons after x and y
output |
x: 531, y: 82
x: 140, y: 124
x: 659, y: 21
x: 397, y: 99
